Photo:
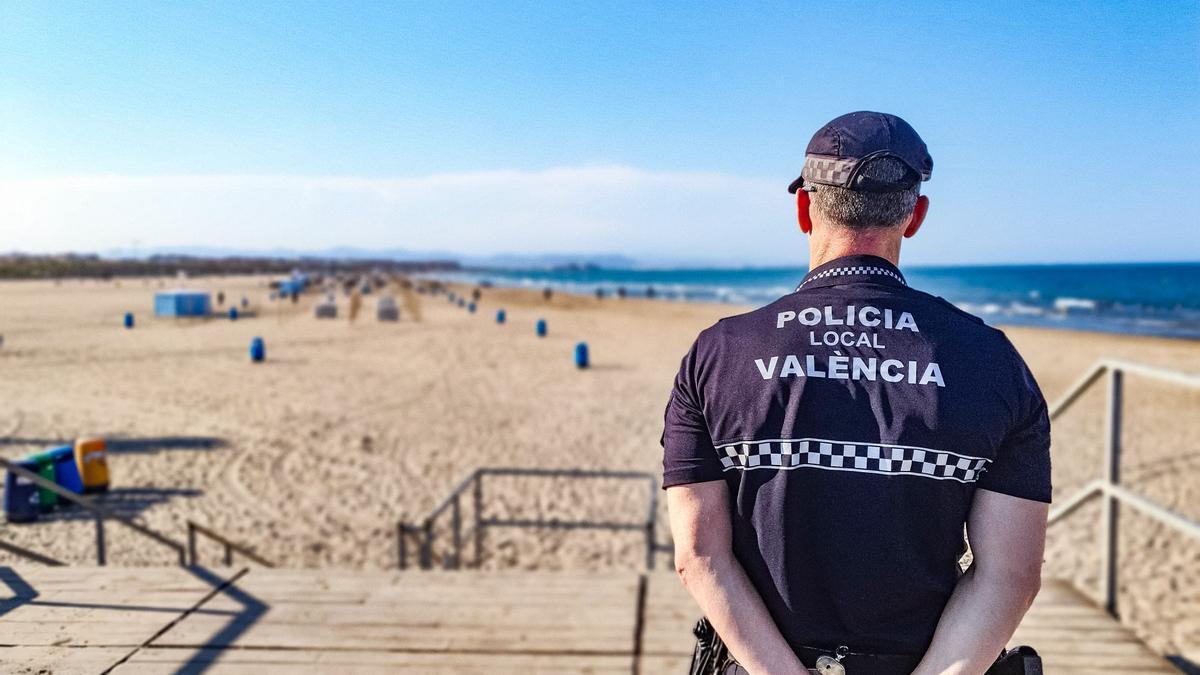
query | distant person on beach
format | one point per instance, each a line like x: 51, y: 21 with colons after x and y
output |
x: 823, y: 454
x: 412, y: 304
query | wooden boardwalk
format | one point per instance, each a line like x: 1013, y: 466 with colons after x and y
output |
x: 231, y: 621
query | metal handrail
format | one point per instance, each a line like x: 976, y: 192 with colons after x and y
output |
x: 1101, y: 488
x: 30, y: 555
x: 98, y: 512
x: 1111, y: 365
x: 1109, y: 487
x: 230, y: 547
x: 424, y: 534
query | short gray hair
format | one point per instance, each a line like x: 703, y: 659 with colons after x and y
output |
x: 860, y: 210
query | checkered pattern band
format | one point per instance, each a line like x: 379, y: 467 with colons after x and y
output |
x: 879, y: 458
x: 851, y: 271
x: 828, y: 170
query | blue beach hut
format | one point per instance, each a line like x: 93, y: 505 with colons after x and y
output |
x: 294, y: 285
x: 182, y: 302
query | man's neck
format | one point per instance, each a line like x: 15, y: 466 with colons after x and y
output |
x: 831, y: 245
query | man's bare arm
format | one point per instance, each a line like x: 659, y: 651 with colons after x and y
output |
x: 702, y: 528
x: 1008, y: 538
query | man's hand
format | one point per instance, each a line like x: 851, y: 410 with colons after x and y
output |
x: 1008, y: 538
x: 701, y: 527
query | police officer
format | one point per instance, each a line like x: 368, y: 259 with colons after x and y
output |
x: 822, y: 454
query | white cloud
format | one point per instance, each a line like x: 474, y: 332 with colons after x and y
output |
x: 572, y: 209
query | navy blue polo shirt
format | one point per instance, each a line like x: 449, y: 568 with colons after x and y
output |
x: 853, y: 421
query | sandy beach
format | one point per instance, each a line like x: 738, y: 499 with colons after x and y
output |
x: 314, y: 455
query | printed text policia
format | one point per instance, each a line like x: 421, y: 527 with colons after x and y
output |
x: 841, y: 367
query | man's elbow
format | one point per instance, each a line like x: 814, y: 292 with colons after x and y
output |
x: 1022, y: 583
x: 694, y: 566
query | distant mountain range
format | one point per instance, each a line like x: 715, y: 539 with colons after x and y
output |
x: 608, y: 261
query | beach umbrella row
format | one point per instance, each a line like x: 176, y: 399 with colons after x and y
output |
x: 541, y: 329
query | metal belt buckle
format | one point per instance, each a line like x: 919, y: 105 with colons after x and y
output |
x: 832, y: 665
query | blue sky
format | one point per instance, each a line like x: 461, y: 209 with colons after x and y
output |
x: 1059, y: 131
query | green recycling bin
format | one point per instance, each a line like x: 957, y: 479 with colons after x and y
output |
x: 47, y: 499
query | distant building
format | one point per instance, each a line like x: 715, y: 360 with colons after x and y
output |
x: 294, y: 285
x: 182, y: 302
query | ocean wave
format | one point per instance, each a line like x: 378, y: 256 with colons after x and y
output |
x: 1072, y: 304
x: 1115, y: 301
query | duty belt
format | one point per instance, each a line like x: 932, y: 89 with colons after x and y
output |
x: 712, y: 658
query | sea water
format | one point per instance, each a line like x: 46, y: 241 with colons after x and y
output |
x: 1147, y: 299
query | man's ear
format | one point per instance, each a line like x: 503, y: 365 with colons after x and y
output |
x: 918, y: 216
x: 802, y: 214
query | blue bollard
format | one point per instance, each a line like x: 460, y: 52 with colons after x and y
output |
x: 258, y: 350
x: 129, y: 319
x: 499, y: 316
x: 471, y: 308
x: 581, y: 355
x: 233, y: 313
x: 541, y: 328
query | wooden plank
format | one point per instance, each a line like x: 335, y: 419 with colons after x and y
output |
x: 71, y: 607
x: 1090, y: 645
x: 316, y: 621
x: 313, y: 662
x: 451, y: 612
x: 59, y: 660
x: 1067, y: 629
x: 670, y: 615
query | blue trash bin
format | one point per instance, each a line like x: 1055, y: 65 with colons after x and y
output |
x: 66, y: 471
x: 21, y: 503
x: 129, y: 319
x: 541, y: 328
x: 500, y: 316
x: 581, y: 355
x: 258, y: 350
x: 471, y: 308
x: 233, y: 314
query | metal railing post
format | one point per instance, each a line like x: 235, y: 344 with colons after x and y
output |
x: 401, y: 536
x: 478, y: 520
x: 30, y: 555
x: 424, y: 533
x: 1111, y: 571
x: 427, y: 544
x: 456, y: 531
x: 229, y: 548
x: 101, y: 558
